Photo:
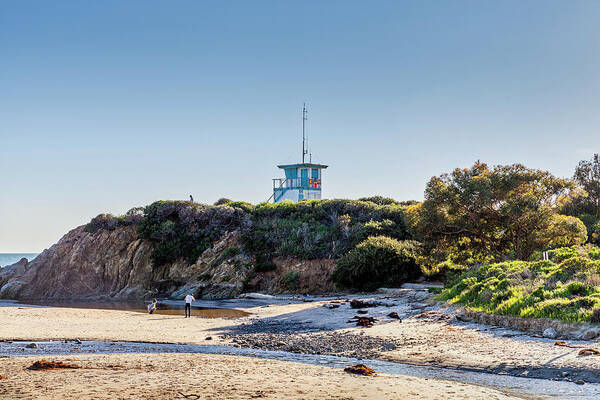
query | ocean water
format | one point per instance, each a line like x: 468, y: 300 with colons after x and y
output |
x: 11, y: 258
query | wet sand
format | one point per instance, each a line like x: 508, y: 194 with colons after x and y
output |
x: 174, y: 376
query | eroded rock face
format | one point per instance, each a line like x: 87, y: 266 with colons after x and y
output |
x: 116, y: 264
x: 84, y: 265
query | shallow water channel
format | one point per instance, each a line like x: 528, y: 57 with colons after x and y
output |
x: 204, y: 309
x: 527, y: 387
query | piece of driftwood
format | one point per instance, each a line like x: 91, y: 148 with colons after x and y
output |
x: 365, y: 322
x: 589, y: 352
x: 360, y: 369
x: 44, y: 365
x: 394, y: 315
x: 565, y: 344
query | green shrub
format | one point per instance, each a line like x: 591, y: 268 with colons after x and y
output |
x: 380, y: 200
x: 566, y: 231
x: 110, y: 222
x: 562, y: 253
x: 377, y: 261
x: 594, y: 253
x: 222, y: 201
x: 291, y: 280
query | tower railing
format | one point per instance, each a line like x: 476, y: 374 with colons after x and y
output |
x: 296, y: 183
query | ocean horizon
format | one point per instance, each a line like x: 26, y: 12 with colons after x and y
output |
x: 11, y: 258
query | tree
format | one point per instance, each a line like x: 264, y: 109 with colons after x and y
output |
x: 480, y: 214
x: 565, y: 231
x: 587, y: 174
x: 222, y: 201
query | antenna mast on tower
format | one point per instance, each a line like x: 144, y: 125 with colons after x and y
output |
x: 304, y: 113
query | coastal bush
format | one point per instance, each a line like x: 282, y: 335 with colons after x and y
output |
x: 566, y: 290
x: 376, y: 262
x: 110, y: 222
x: 222, y: 201
x: 319, y: 228
x: 183, y: 230
x: 565, y: 231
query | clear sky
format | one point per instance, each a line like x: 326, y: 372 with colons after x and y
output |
x: 106, y: 105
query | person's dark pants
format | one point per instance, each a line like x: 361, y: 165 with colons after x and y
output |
x: 188, y: 310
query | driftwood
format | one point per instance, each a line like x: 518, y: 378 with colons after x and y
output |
x: 360, y: 369
x: 585, y: 351
x: 565, y: 344
x: 588, y: 352
x: 44, y: 365
x: 366, y: 322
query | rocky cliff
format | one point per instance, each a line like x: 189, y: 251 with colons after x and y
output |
x: 170, y: 248
x: 117, y: 264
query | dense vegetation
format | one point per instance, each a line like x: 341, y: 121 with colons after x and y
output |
x: 305, y: 230
x: 378, y: 261
x: 566, y: 287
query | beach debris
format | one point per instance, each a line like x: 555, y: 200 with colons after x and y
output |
x: 77, y: 341
x: 585, y: 351
x: 44, y: 365
x: 208, y: 338
x: 394, y: 315
x: 579, y: 382
x: 331, y: 306
x: 32, y: 346
x: 565, y: 344
x: 362, y: 304
x: 549, y: 333
x: 190, y: 396
x: 3, y: 377
x: 365, y: 322
x: 360, y: 369
x: 588, y: 352
x: 434, y: 316
x: 362, y: 311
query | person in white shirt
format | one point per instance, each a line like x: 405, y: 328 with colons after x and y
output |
x: 152, y: 306
x: 188, y: 305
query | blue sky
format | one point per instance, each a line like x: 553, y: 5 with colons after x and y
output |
x: 108, y: 105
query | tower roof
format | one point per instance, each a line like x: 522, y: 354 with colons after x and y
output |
x: 308, y: 165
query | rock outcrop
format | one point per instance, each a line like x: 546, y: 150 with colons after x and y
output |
x: 116, y: 264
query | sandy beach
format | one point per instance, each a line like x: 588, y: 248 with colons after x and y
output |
x: 433, y: 338
x: 174, y: 376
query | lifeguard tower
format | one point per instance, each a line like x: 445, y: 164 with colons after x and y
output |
x: 302, y: 181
